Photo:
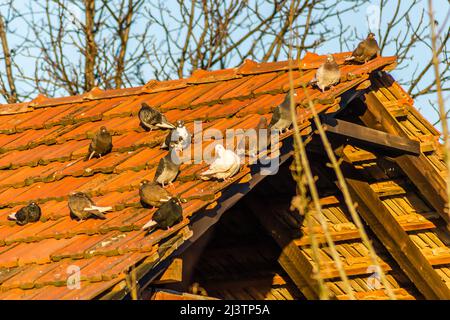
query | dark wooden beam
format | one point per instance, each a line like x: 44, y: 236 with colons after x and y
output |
x: 394, y: 238
x: 418, y: 169
x: 291, y: 259
x: 357, y: 134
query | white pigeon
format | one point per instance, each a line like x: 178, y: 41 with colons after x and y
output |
x: 225, y: 165
x: 328, y: 74
x: 180, y: 135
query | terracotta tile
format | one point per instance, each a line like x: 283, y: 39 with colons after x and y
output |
x: 75, y: 247
x: 26, y: 278
x: 60, y: 272
x: 188, y: 95
x: 9, y: 139
x: 262, y: 105
x: 140, y: 158
x: 158, y: 99
x: 90, y: 290
x: 62, y: 228
x: 120, y: 264
x: 100, y: 108
x: 204, y: 76
x: 19, y: 294
x: 29, y: 232
x: 40, y: 252
x: 247, y: 88
x: 219, y: 91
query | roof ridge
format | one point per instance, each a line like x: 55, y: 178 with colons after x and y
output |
x: 249, y: 67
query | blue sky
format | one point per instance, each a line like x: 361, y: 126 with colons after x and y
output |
x: 358, y: 23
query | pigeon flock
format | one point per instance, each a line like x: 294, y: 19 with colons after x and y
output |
x: 225, y: 165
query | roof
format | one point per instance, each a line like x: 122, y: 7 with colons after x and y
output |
x: 43, y: 141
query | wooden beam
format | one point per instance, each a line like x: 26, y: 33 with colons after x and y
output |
x: 370, y: 137
x: 418, y: 169
x: 291, y: 259
x: 394, y: 238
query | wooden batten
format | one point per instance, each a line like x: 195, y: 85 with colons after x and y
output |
x: 421, y: 173
x: 394, y: 238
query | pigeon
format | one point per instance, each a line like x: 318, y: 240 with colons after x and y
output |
x: 82, y: 207
x: 262, y: 131
x: 366, y: 50
x: 29, y: 213
x: 281, y: 118
x: 327, y: 75
x: 225, y: 165
x: 179, y: 135
x: 153, y: 119
x: 169, y: 166
x: 152, y: 194
x: 101, y: 144
x: 169, y: 214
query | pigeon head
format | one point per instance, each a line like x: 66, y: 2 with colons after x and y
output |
x: 371, y: 35
x: 180, y: 123
x: 330, y: 58
x: 145, y: 106
x: 175, y: 200
x: 33, y: 204
x: 219, y: 150
x: 145, y: 181
x: 103, y: 129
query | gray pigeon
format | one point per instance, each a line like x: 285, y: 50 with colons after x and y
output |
x: 262, y: 139
x: 169, y: 214
x: 153, y: 119
x: 366, y: 50
x: 29, y: 213
x: 82, y: 207
x: 152, y: 194
x: 328, y: 74
x: 101, y: 144
x: 281, y: 118
x: 179, y: 135
x: 169, y: 166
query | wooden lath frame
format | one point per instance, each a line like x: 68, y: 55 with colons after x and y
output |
x: 417, y: 168
x: 394, y: 238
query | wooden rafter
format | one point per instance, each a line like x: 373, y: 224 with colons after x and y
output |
x: 357, y: 134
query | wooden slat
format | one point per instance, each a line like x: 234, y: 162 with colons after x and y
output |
x: 370, y: 137
x: 393, y: 237
x: 421, y: 173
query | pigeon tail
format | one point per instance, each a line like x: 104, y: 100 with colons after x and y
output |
x: 98, y: 214
x: 99, y: 209
x: 12, y: 216
x: 149, y: 225
x: 165, y: 125
x: 89, y: 156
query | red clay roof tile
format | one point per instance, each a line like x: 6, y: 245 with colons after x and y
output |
x: 42, y: 152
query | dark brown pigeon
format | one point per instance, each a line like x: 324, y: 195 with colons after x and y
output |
x: 27, y: 214
x: 101, y: 144
x: 153, y: 119
x: 169, y: 214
